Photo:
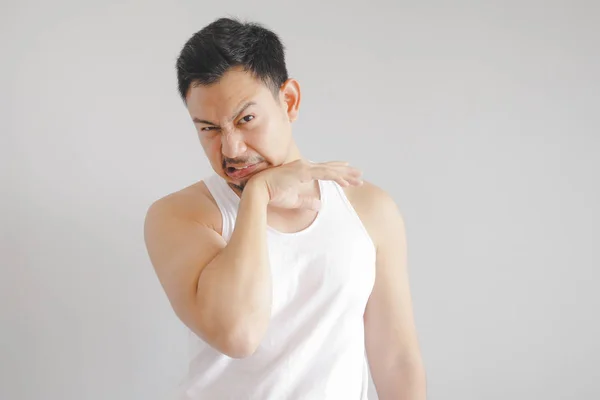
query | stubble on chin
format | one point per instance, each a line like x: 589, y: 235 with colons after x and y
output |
x: 238, y: 187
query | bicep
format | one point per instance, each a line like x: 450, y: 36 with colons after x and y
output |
x: 389, y: 321
x: 179, y: 248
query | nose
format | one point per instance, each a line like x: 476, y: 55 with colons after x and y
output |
x: 232, y: 144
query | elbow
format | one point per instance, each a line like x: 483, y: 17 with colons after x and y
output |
x: 236, y: 336
x: 236, y: 339
x: 239, y: 350
x: 240, y: 343
x: 232, y: 343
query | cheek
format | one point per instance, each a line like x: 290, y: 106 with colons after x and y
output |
x: 271, y: 131
x: 263, y: 139
x: 271, y: 141
x: 212, y: 147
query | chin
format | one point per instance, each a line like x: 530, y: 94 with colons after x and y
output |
x: 238, y: 185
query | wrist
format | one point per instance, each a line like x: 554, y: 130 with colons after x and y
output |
x: 257, y: 190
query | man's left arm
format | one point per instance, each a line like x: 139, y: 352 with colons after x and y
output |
x: 391, y: 338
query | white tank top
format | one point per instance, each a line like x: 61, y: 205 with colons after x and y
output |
x: 314, y: 347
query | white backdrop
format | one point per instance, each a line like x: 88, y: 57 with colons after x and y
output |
x: 482, y: 122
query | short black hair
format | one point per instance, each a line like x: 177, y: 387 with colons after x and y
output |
x: 227, y: 43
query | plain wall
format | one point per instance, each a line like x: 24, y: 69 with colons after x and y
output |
x: 481, y: 120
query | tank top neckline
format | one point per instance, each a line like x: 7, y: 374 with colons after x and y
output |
x: 322, y: 195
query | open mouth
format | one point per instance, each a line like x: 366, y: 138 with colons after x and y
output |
x: 242, y: 171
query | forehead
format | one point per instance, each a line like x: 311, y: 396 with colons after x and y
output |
x: 223, y: 96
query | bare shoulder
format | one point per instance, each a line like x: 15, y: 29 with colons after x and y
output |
x: 375, y: 207
x: 194, y: 203
x: 368, y: 194
x: 371, y: 201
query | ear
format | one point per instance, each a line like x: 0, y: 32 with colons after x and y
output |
x: 290, y: 96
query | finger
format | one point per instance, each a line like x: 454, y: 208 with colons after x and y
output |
x: 336, y: 163
x: 329, y: 164
x: 342, y: 177
x: 324, y: 173
x: 342, y: 182
x: 329, y: 172
x: 353, y: 172
x: 353, y: 181
x: 343, y: 168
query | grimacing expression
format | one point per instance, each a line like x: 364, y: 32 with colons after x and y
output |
x: 242, y: 126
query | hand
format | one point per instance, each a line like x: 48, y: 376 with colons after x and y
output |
x: 283, y: 182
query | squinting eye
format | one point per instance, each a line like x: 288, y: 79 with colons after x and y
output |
x: 207, y: 128
x: 246, y: 120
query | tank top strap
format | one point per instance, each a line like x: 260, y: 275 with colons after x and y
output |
x: 343, y: 208
x: 227, y: 201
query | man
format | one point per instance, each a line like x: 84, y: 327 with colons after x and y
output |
x: 285, y: 271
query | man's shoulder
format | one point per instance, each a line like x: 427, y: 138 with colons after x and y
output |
x: 371, y: 198
x: 375, y: 207
x: 193, y: 202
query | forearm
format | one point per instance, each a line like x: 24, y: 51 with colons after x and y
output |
x: 234, y: 289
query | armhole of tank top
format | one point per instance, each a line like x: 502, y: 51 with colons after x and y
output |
x: 215, y: 190
x: 365, y: 379
x: 352, y: 211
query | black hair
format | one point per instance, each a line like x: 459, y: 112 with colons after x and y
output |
x: 227, y: 43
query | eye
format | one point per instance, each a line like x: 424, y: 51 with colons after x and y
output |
x: 208, y: 128
x: 246, y: 119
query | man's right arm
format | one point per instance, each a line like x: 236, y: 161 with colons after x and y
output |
x: 221, y: 291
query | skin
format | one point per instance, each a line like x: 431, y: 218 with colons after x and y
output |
x: 182, y: 233
x: 232, y: 134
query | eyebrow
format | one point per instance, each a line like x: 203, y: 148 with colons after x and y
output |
x: 235, y: 115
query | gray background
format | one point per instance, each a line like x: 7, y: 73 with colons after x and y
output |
x: 481, y: 120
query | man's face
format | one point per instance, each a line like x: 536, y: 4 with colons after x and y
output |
x: 242, y: 127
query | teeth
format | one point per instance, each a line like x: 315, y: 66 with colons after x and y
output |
x: 240, y: 168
